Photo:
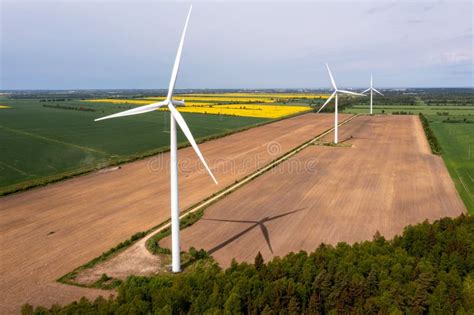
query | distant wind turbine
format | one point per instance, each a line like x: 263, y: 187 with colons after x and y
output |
x: 175, y: 117
x: 371, y: 89
x: 334, y: 94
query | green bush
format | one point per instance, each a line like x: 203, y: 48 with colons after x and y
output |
x: 153, y: 244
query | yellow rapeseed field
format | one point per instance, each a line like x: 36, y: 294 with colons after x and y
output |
x: 4, y: 106
x: 117, y: 101
x: 263, y: 95
x: 141, y: 102
x: 235, y: 104
x: 219, y: 98
x: 246, y: 110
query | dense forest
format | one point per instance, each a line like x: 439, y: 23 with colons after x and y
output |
x: 428, y: 269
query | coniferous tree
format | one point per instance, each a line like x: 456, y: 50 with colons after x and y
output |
x: 259, y: 263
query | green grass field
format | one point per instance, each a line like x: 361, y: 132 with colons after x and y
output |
x: 457, y: 142
x: 41, y: 144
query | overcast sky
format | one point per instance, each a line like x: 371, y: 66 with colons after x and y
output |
x: 131, y: 44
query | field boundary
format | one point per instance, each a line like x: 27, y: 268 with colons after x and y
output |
x: 35, y: 183
x: 430, y: 136
x: 200, y: 206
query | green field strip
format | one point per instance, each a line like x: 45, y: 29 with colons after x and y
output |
x: 458, y: 153
x: 25, y: 133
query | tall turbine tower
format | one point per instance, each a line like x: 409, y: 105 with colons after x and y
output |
x: 371, y: 89
x: 334, y: 94
x: 175, y: 117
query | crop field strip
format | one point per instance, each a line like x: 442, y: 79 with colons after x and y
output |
x: 457, y: 143
x: 385, y: 172
x: 44, y: 231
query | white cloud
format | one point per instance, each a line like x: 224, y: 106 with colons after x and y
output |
x: 457, y: 57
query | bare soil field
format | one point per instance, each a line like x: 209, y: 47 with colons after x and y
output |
x: 381, y: 178
x: 49, y: 231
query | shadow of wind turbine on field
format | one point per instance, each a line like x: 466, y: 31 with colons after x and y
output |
x: 259, y: 223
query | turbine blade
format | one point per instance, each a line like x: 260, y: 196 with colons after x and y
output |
x: 284, y: 214
x: 184, y: 127
x: 136, y: 111
x: 366, y: 91
x: 327, y: 101
x: 371, y: 80
x: 352, y: 93
x: 377, y: 91
x: 332, y: 79
x: 232, y: 221
x: 174, y: 73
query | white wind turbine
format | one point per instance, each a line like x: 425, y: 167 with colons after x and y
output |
x: 175, y: 117
x: 372, y: 90
x: 334, y: 94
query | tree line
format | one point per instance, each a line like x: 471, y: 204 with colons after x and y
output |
x: 79, y: 108
x: 428, y: 269
x: 430, y: 136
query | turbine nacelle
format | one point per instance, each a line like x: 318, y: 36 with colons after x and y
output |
x: 334, y: 95
x: 178, y: 103
x: 336, y: 90
x: 371, y: 88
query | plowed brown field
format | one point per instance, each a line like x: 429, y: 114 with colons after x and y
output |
x: 47, y: 232
x: 382, y: 179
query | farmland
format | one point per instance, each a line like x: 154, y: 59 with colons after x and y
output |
x: 384, y: 171
x: 457, y: 142
x: 45, y: 139
x: 49, y: 231
x: 451, y: 118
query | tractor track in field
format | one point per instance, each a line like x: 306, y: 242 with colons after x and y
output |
x: 36, y: 136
